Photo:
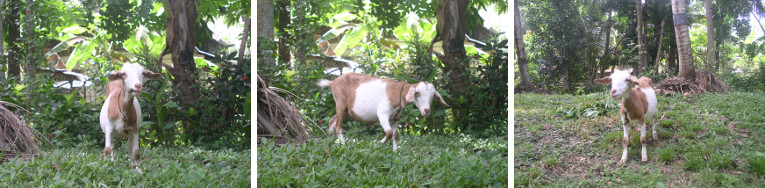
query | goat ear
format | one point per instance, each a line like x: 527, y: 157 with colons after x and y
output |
x: 604, y: 80
x: 441, y: 99
x: 633, y: 79
x: 116, y: 75
x: 151, y: 75
x: 410, y: 95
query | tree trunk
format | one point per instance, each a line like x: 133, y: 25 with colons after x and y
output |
x: 710, y: 34
x: 300, y: 14
x: 451, y: 29
x: 658, y: 51
x: 672, y: 57
x: 266, y: 29
x: 14, y: 32
x: 245, y: 36
x: 641, y: 41
x: 520, y: 50
x: 181, y: 40
x: 604, y: 60
x: 2, y: 38
x: 29, y: 67
x: 284, y: 36
x: 682, y: 35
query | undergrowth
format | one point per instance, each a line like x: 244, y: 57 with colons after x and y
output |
x: 426, y: 160
x: 162, y: 167
x: 704, y: 140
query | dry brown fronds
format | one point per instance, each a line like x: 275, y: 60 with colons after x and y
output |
x: 705, y: 82
x: 277, y: 118
x: 17, y: 139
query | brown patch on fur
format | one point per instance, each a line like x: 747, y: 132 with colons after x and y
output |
x: 131, y: 124
x: 115, y: 89
x: 642, y: 140
x: 344, y: 91
x: 107, y: 151
x: 644, y: 82
x: 395, y: 135
x: 116, y: 107
x: 636, y: 105
x: 396, y: 92
x: 388, y: 135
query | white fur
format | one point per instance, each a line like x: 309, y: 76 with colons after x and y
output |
x: 620, y: 82
x: 371, y: 100
x: 133, y: 78
x: 372, y: 104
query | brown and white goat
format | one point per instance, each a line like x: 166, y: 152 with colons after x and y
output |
x: 121, y: 114
x: 368, y: 99
x: 637, y: 105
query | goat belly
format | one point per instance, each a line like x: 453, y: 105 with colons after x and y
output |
x: 369, y: 97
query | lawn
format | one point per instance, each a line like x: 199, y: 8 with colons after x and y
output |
x: 162, y: 167
x: 427, y: 160
x: 704, y: 140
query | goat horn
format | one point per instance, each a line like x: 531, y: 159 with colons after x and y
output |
x: 441, y: 99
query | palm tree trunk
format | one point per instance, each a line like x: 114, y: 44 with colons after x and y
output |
x: 682, y: 35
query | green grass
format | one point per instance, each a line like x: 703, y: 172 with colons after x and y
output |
x: 696, y: 146
x: 162, y: 167
x: 427, y: 160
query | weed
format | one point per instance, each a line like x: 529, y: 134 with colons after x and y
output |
x: 668, y: 154
x: 757, y: 163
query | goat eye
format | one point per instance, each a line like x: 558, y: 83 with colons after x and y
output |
x: 417, y: 94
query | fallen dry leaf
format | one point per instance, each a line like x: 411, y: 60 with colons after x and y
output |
x: 731, y: 126
x: 744, y: 135
x: 547, y: 126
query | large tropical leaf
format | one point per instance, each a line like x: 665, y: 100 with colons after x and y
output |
x: 65, y: 45
x: 81, y: 53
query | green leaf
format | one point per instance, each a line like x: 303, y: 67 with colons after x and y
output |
x: 81, y: 53
x: 169, y: 125
x: 147, y: 124
x: 170, y: 104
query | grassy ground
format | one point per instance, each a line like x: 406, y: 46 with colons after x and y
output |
x: 162, y: 167
x: 428, y: 160
x: 706, y: 140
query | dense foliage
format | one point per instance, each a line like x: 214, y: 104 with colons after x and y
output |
x: 569, y: 42
x: 388, y: 43
x: 162, y: 167
x: 95, y: 39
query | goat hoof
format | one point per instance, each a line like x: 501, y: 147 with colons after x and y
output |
x: 645, y: 159
x: 622, y: 161
x: 655, y: 137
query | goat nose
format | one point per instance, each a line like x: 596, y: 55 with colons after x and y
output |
x: 138, y: 86
x: 427, y: 111
x: 613, y: 91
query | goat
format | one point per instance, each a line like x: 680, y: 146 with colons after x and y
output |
x: 121, y: 114
x: 368, y: 99
x: 637, y: 104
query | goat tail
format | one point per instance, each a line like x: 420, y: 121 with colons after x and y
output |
x: 324, y: 83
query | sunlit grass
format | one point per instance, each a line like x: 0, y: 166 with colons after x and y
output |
x: 427, y: 160
x: 162, y: 167
x: 704, y: 140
